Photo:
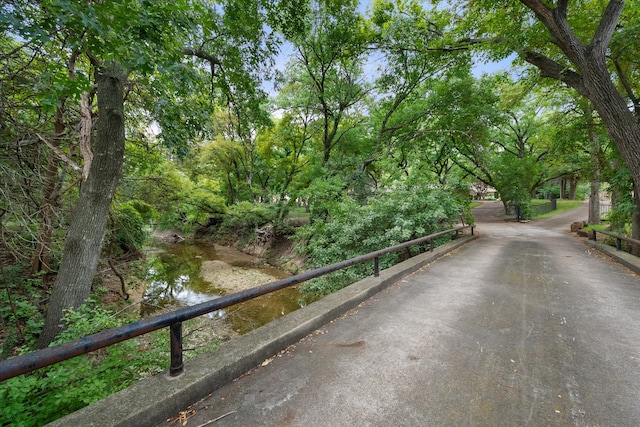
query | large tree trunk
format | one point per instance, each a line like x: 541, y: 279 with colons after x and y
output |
x: 635, y: 221
x: 622, y: 126
x: 573, y: 186
x: 83, y: 243
x: 595, y: 151
x: 594, y: 202
x: 591, y: 77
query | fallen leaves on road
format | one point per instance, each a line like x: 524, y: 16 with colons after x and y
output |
x: 183, y: 416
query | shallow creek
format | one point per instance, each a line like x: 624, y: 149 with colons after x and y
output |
x: 188, y: 273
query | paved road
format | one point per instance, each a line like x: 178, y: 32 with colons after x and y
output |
x: 523, y: 327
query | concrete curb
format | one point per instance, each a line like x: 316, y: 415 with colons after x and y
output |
x: 624, y: 258
x: 153, y: 400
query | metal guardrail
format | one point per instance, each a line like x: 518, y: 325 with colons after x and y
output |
x: 39, y: 359
x: 619, y: 238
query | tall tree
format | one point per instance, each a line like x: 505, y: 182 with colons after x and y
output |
x: 86, y: 232
x: 570, y: 43
x: 464, y: 111
x: 287, y: 153
x: 228, y: 40
x: 497, y: 131
x: 328, y: 61
x: 407, y: 43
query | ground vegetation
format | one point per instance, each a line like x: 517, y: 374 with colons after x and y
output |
x: 121, y: 117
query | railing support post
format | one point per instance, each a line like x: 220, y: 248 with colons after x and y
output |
x: 175, y: 333
x: 376, y: 267
x: 431, y: 245
x: 472, y: 230
x: 594, y: 235
x: 619, y: 244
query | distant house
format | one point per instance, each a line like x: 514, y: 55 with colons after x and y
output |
x: 481, y: 191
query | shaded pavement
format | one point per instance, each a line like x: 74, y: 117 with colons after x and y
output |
x: 526, y: 326
x: 489, y: 211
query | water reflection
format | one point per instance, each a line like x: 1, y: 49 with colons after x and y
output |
x: 174, y: 279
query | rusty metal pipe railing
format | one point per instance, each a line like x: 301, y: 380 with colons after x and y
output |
x: 51, y: 355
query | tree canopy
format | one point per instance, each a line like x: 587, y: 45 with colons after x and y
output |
x: 157, y: 112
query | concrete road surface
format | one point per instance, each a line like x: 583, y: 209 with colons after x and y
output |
x: 524, y: 327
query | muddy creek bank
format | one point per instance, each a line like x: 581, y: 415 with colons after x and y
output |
x: 188, y: 273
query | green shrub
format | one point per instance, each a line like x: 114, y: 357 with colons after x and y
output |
x: 198, y: 206
x: 242, y: 219
x: 322, y: 195
x: 180, y: 202
x: 526, y: 210
x: 390, y: 218
x: 147, y: 213
x: 544, y: 191
x: 621, y: 214
x: 50, y: 393
x: 20, y: 317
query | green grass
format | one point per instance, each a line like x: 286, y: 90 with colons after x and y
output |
x: 475, y: 204
x: 539, y: 201
x: 562, y: 206
x: 599, y: 227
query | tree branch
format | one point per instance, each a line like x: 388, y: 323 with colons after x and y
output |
x: 541, y: 155
x: 561, y: 9
x: 458, y: 45
x: 505, y: 148
x: 60, y: 154
x: 607, y: 26
x: 550, y: 68
x: 627, y: 87
x: 543, y: 13
x: 199, y: 53
x: 556, y: 22
x: 487, y: 180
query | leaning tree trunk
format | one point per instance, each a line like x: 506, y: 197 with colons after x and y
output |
x: 622, y: 126
x: 83, y: 243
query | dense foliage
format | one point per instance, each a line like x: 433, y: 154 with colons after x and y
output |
x: 379, y: 123
x: 43, y: 396
x: 399, y: 215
